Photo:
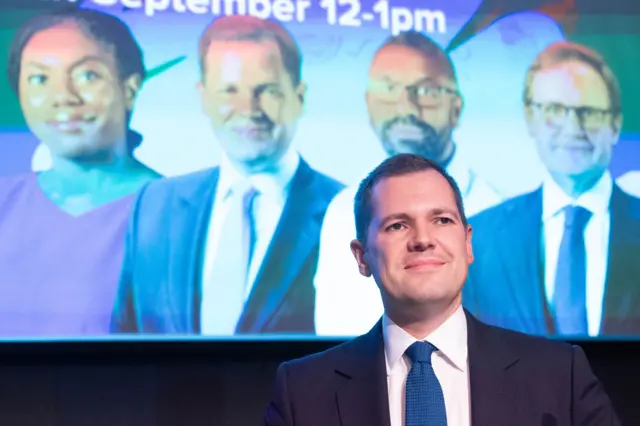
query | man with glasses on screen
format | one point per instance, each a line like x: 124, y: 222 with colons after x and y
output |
x: 565, y: 258
x: 233, y: 249
x: 414, y: 105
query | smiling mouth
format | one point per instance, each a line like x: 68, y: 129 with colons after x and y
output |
x: 425, y: 264
x: 66, y: 123
x: 405, y: 131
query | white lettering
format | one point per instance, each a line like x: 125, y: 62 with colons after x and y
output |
x: 106, y: 2
x: 132, y: 4
x: 260, y: 8
x: 179, y: 6
x: 283, y: 10
x: 229, y: 10
x: 153, y: 6
x: 401, y: 20
x: 301, y: 10
x: 426, y: 20
x: 197, y: 6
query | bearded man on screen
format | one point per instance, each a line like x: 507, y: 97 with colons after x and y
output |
x: 414, y: 105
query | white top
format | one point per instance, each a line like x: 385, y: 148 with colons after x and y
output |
x: 630, y: 182
x: 450, y: 364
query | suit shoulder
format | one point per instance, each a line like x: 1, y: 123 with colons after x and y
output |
x: 165, y: 187
x: 320, y: 363
x: 505, y: 210
x: 536, y: 347
x: 328, y: 184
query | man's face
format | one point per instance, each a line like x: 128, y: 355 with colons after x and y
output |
x: 570, y: 120
x: 417, y: 248
x: 413, y: 106
x: 251, y: 101
x: 71, y: 94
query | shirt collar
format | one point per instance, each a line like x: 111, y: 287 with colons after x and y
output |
x: 596, y: 200
x: 459, y: 170
x: 450, y: 339
x: 269, y: 183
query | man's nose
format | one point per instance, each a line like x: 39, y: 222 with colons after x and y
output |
x: 248, y: 104
x: 572, y: 124
x: 406, y: 105
x: 421, y: 238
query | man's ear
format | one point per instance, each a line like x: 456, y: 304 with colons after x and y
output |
x: 301, y: 91
x: 470, y: 257
x: 357, y: 248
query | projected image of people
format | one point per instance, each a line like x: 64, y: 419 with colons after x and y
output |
x: 563, y: 259
x: 76, y: 73
x: 414, y: 105
x: 232, y: 249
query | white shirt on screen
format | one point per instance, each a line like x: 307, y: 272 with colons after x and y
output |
x: 450, y: 364
x: 630, y: 182
x: 272, y: 193
x: 596, y: 238
x: 348, y: 304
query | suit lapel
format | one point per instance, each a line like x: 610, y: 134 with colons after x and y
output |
x: 622, y: 291
x: 294, y: 239
x: 494, y: 397
x: 362, y: 397
x: 189, y: 222
x: 523, y: 257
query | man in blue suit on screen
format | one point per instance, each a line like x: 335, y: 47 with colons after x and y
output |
x: 565, y: 258
x: 232, y: 249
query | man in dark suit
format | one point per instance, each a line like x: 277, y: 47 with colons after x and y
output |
x: 563, y: 259
x: 232, y: 249
x: 428, y: 362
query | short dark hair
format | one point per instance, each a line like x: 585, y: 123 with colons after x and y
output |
x: 250, y: 28
x: 397, y: 165
x: 426, y: 47
x: 102, y: 27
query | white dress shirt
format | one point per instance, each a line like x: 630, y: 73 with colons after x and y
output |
x: 348, y: 304
x: 630, y: 182
x: 450, y: 364
x: 272, y: 192
x: 596, y: 237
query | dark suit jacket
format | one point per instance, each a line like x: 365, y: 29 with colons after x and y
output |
x: 515, y: 380
x: 505, y: 286
x: 160, y: 287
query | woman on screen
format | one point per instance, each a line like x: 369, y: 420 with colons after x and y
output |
x: 76, y: 73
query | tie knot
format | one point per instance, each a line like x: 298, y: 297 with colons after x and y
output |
x: 576, y: 217
x: 421, y: 352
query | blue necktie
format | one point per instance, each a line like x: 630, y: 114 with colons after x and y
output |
x: 570, y: 292
x: 424, y: 397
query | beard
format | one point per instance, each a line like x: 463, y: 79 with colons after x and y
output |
x: 410, y: 135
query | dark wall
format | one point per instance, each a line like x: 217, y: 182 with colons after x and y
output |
x: 193, y: 384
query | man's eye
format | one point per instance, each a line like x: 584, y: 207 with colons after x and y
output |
x: 395, y: 226
x: 444, y: 220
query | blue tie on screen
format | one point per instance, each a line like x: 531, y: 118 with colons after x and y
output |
x: 424, y: 397
x: 570, y: 293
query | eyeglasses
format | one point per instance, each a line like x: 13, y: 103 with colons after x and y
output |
x: 557, y: 114
x: 423, y: 94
